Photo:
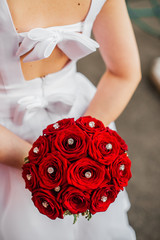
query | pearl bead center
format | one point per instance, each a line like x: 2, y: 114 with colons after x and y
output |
x: 50, y: 170
x: 36, y: 150
x: 28, y: 176
x: 109, y: 146
x: 45, y: 204
x: 88, y: 174
x: 104, y: 199
x: 70, y: 141
x: 57, y: 189
x: 122, y: 167
x: 56, y: 126
x: 92, y: 124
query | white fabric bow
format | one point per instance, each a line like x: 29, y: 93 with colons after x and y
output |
x: 43, y: 41
x: 28, y: 106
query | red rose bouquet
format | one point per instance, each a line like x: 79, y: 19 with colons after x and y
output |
x: 76, y: 167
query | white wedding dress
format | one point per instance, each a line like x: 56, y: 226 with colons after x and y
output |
x: 27, y: 107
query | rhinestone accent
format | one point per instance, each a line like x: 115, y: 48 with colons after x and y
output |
x: 92, y: 124
x: 36, y: 150
x: 45, y: 204
x: 57, y: 189
x: 56, y: 125
x: 104, y: 199
x: 122, y: 167
x: 88, y: 174
x: 28, y: 176
x: 109, y: 146
x: 70, y: 141
x: 50, y: 170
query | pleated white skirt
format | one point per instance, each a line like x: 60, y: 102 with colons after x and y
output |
x: 26, y: 110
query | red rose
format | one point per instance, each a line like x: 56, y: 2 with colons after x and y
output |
x: 102, y: 198
x: 104, y: 148
x: 86, y: 174
x: 72, y: 143
x: 121, y: 170
x: 123, y: 145
x: 59, y: 125
x: 52, y: 171
x: 30, y: 176
x: 90, y: 125
x: 107, y: 177
x: 47, y: 204
x: 75, y: 200
x: 39, y: 149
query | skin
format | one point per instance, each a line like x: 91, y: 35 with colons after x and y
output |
x: 117, y: 46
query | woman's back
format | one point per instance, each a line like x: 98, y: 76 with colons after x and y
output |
x: 27, y: 15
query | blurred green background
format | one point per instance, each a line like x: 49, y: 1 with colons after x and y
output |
x: 146, y: 15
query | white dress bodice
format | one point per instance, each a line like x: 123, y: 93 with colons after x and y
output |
x: 43, y: 40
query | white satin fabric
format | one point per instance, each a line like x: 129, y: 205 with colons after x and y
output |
x: 41, y: 102
x: 43, y: 41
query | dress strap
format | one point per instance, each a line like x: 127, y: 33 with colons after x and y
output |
x: 96, y: 6
x: 10, y: 69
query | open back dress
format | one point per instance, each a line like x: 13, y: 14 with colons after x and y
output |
x: 27, y: 107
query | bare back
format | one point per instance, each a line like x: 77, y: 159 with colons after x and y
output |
x: 30, y: 14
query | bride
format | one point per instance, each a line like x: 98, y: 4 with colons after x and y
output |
x: 40, y: 43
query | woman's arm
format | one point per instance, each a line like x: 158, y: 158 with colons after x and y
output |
x: 113, y: 31
x: 13, y: 149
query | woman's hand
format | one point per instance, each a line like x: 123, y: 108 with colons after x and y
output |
x: 13, y: 149
x: 113, y: 31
